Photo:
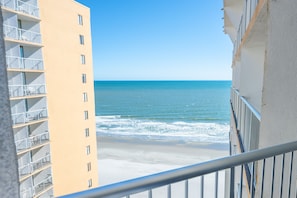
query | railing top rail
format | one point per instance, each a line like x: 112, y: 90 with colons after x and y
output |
x: 254, y: 111
x: 24, y: 58
x: 164, y: 178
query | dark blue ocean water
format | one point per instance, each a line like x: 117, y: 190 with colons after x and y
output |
x: 167, y: 110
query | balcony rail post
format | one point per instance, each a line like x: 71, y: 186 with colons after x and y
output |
x: 186, y: 188
x: 169, y: 191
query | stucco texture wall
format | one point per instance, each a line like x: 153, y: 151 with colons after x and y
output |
x: 279, y: 103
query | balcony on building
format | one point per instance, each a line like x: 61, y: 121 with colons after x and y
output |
x: 34, y: 166
x: 32, y: 141
x: 24, y: 64
x: 39, y: 185
x: 26, y: 84
x: 29, y: 136
x: 29, y: 116
x: 27, y: 7
x: 28, y: 111
x: 17, y: 28
x: 21, y: 35
x: 26, y: 90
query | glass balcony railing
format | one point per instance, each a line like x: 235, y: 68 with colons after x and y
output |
x: 34, y: 166
x: 32, y: 141
x: 27, y: 8
x: 14, y: 62
x: 36, y: 190
x: 30, y: 116
x: 26, y: 90
x: 15, y: 33
x: 21, y: 6
x: 43, y: 185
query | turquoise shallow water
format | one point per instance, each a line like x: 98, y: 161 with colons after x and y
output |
x: 166, y: 110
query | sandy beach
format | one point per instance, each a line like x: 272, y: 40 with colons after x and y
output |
x: 121, y: 159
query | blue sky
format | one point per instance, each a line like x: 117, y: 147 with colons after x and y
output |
x: 159, y: 40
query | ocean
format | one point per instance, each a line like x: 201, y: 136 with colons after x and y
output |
x: 163, y: 111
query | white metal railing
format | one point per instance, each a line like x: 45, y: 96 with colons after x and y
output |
x: 14, y: 62
x: 248, y: 12
x: 26, y: 90
x: 21, y: 34
x: 35, y: 165
x: 273, y: 175
x: 31, y: 141
x: 248, y: 121
x: 27, y: 8
x: 25, y: 117
x: 43, y: 185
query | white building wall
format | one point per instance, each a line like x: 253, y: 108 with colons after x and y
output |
x: 279, y: 106
x: 251, y: 75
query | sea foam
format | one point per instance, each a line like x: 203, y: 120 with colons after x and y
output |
x: 116, y: 126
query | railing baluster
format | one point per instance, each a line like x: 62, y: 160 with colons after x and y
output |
x: 169, y: 191
x: 241, y: 180
x: 291, y: 169
x: 186, y: 188
x: 202, y: 187
x: 252, y: 181
x: 282, y: 178
x: 263, y: 177
x: 272, y: 180
x: 150, y: 193
x: 216, y: 184
x: 232, y: 182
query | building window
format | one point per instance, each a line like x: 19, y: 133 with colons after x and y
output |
x: 86, y: 113
x: 88, y: 149
x: 90, y: 183
x: 89, y: 166
x: 83, y: 59
x: 85, y: 97
x: 84, y: 78
x: 80, y: 19
x: 87, y: 132
x: 81, y: 39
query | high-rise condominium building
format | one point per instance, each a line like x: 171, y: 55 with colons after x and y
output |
x: 49, y: 69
